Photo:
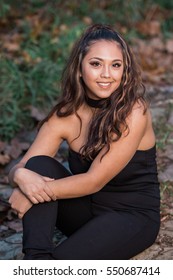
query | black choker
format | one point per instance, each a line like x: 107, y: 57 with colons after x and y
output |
x: 95, y: 103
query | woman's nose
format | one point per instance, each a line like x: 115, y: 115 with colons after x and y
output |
x: 105, y: 72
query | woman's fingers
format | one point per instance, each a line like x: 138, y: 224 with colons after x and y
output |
x: 44, y: 195
x: 49, y: 193
x: 33, y: 199
x: 48, y: 179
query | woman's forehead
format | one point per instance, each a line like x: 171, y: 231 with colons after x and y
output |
x: 105, y: 49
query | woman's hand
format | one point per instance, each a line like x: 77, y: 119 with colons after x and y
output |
x: 19, y: 202
x: 34, y: 186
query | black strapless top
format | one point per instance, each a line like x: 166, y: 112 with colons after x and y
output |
x: 136, y: 186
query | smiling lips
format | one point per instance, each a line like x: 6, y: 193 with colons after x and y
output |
x: 104, y: 85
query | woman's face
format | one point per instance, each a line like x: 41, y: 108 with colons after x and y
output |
x: 102, y: 69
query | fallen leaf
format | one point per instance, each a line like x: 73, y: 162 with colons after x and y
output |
x: 4, y: 159
x: 157, y: 44
x: 11, y: 46
x: 15, y: 225
x: 164, y: 218
x: 63, y: 27
x: 154, y: 28
x: 169, y: 46
x: 2, y: 146
x: 151, y: 28
x: 87, y: 20
x: 37, y: 114
x: 16, y: 148
x: 26, y: 56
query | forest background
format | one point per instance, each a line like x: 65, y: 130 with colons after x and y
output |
x: 36, y: 37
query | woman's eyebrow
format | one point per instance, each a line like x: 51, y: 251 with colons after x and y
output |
x: 101, y: 59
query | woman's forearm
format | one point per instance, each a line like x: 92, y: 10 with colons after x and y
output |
x: 11, y: 175
x: 74, y: 186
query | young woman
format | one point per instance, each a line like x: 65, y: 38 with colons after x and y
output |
x: 108, y: 205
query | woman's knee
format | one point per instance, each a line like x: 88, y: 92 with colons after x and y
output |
x: 47, y: 166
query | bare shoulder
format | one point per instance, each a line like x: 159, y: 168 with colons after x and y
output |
x: 139, y: 109
x: 141, y: 114
x: 140, y: 123
x: 138, y: 117
x: 60, y: 125
x: 65, y: 128
x: 50, y: 136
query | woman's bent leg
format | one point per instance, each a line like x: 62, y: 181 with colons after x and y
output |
x: 39, y: 222
x: 38, y: 228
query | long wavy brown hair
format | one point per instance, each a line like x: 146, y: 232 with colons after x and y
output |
x: 109, y: 121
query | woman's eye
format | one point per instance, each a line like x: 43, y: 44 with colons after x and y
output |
x: 116, y: 65
x: 95, y: 63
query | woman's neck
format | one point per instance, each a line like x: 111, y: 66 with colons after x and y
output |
x: 95, y: 103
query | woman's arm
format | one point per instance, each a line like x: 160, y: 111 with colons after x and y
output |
x: 47, y: 143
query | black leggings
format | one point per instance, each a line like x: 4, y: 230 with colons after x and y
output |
x: 93, y: 231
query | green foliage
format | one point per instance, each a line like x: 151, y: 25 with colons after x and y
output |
x: 4, y: 8
x: 163, y: 129
x: 167, y: 4
x: 11, y: 92
x: 21, y: 88
x: 167, y: 27
x: 34, y: 81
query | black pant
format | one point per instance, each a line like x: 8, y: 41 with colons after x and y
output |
x: 93, y: 231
